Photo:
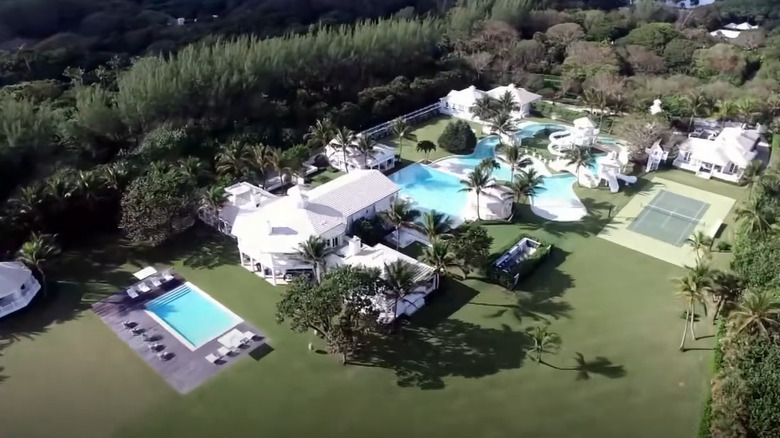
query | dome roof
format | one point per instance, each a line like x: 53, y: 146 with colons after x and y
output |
x: 12, y: 276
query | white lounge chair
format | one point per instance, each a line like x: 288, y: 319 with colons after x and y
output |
x: 156, y: 281
x: 213, y: 358
x: 224, y: 351
x: 249, y: 336
x: 131, y: 292
x: 167, y: 276
x: 143, y: 287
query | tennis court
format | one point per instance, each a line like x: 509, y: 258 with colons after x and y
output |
x: 669, y: 217
x: 658, y: 220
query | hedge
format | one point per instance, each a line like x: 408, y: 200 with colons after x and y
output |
x: 510, y: 279
x: 705, y: 423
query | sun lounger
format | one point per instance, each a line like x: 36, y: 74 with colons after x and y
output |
x: 167, y: 275
x: 131, y: 292
x: 224, y: 351
x: 156, y: 281
x: 129, y: 324
x: 143, y: 287
x: 164, y: 355
x: 155, y: 346
x: 249, y: 336
x: 213, y: 358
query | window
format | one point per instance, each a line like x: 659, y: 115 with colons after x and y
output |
x: 332, y: 243
x: 731, y: 168
x: 685, y: 155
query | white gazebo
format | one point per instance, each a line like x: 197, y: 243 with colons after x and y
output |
x: 18, y: 287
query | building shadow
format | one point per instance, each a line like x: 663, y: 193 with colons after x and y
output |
x: 424, y: 357
x: 451, y: 296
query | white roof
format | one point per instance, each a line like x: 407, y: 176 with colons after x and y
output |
x: 279, y: 226
x: 145, y: 273
x: 740, y: 26
x: 377, y: 257
x: 521, y: 95
x: 733, y: 144
x: 466, y: 96
x: 725, y: 33
x: 381, y: 153
x: 12, y: 276
x: 584, y: 122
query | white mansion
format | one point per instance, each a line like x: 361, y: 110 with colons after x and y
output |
x: 270, y: 228
x: 458, y: 103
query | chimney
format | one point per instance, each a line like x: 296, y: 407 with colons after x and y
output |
x: 354, y: 246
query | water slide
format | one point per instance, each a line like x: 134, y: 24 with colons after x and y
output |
x: 612, y: 180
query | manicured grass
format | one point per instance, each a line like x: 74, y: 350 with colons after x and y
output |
x: 459, y: 371
x: 325, y: 175
x: 430, y: 130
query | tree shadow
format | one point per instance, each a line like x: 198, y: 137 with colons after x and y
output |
x: 451, y: 296
x: 538, y: 296
x: 424, y: 357
x: 586, y: 368
x: 221, y: 250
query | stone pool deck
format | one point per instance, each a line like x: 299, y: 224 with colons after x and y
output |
x: 183, y: 369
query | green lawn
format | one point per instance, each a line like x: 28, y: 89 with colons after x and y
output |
x: 460, y: 371
x: 430, y: 130
x: 325, y: 175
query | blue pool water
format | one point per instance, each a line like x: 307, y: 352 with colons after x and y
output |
x: 192, y: 314
x: 431, y: 189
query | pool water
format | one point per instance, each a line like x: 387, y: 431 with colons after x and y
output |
x: 431, y: 189
x: 193, y: 315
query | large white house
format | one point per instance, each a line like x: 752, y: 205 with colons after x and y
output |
x: 458, y: 103
x: 722, y: 155
x: 18, y: 287
x: 382, y: 157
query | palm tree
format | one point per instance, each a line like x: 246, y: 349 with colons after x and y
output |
x: 115, y: 175
x: 478, y: 181
x: 28, y: 203
x: 344, y: 137
x: 278, y: 163
x: 36, y: 251
x: 399, y: 280
x: 192, y: 167
x: 439, y: 256
x: 313, y: 250
x: 403, y: 131
x: 365, y: 145
x: 489, y: 164
x: 747, y: 108
x: 506, y: 103
x: 726, y: 290
x: 233, y: 159
x: 752, y: 176
x: 426, y: 147
x: 543, y: 342
x: 526, y: 185
x: 57, y: 191
x: 213, y: 198
x: 320, y: 134
x: 436, y: 225
x: 692, y: 289
x: 484, y: 108
x: 87, y: 184
x: 757, y: 313
x: 400, y: 214
x: 513, y: 154
x: 591, y: 98
x: 725, y: 109
x: 754, y: 215
x: 697, y: 105
x: 580, y: 157
x: 503, y: 124
x: 257, y: 159
x: 701, y: 244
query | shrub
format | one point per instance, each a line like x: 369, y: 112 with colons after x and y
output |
x: 370, y: 231
x: 510, y: 278
x: 321, y: 161
x: 723, y: 246
x: 458, y: 138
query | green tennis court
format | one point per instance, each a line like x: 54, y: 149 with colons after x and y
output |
x: 669, y: 217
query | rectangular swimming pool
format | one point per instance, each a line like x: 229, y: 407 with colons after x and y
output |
x: 191, y: 315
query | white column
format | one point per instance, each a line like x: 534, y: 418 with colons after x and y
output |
x: 273, y: 270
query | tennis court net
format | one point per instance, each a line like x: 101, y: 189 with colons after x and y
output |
x: 666, y: 212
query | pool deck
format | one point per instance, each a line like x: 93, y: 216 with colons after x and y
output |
x: 185, y: 369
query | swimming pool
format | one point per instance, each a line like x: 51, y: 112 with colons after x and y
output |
x: 431, y: 189
x: 191, y: 315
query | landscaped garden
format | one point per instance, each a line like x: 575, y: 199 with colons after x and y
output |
x: 462, y: 368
